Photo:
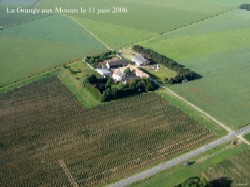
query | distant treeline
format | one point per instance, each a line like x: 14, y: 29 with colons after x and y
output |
x: 182, y: 73
x: 94, y: 60
x: 104, y: 89
x: 245, y: 6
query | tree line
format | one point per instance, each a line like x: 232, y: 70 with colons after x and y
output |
x: 94, y: 60
x: 106, y: 89
x: 181, y: 72
x: 245, y: 6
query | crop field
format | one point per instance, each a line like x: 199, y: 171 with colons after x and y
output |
x: 46, y: 132
x: 218, y: 49
x: 35, y: 46
x: 17, y: 2
x: 118, y: 30
x: 234, y: 171
x: 14, y: 19
x: 11, y: 20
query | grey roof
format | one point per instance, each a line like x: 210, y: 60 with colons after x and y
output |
x: 123, y: 62
x: 139, y: 58
x: 103, y: 71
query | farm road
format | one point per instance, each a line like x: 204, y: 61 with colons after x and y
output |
x: 195, y: 107
x: 91, y: 33
x: 180, y: 159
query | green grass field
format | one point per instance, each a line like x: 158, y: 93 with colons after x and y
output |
x: 11, y: 20
x: 159, y: 75
x: 234, y: 171
x: 136, y: 25
x: 247, y: 136
x: 180, y: 173
x: 218, y: 49
x: 74, y: 82
x: 24, y: 3
x: 35, y: 46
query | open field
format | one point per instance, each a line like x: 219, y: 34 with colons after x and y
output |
x: 218, y: 49
x: 119, y: 30
x: 97, y: 145
x: 74, y: 82
x: 159, y: 75
x: 25, y: 3
x: 179, y: 173
x: 247, y: 136
x: 11, y: 20
x: 234, y: 171
x: 42, y: 44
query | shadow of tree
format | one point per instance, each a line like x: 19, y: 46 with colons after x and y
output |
x: 222, y: 182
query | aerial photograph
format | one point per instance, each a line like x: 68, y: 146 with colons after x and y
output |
x: 125, y: 93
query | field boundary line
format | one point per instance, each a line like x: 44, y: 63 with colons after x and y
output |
x: 184, y: 26
x: 243, y: 139
x: 68, y: 174
x: 91, y: 33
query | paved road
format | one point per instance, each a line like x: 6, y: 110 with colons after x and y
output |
x: 180, y: 159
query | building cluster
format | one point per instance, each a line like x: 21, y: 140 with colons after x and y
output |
x: 117, y: 69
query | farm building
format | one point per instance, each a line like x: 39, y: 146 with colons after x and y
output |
x: 140, y: 60
x: 118, y: 75
x: 136, y: 71
x: 104, y: 72
x: 117, y: 64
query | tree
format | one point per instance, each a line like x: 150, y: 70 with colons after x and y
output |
x: 109, y: 83
x: 166, y: 80
x: 195, y: 182
x: 127, y: 71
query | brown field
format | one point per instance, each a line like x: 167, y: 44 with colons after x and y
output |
x: 49, y: 139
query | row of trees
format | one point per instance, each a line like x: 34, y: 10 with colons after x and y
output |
x: 245, y: 6
x: 94, y: 60
x: 106, y: 89
x: 182, y: 73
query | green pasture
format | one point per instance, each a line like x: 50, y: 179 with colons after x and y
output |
x: 18, y: 2
x: 74, y: 82
x: 14, y: 19
x: 247, y: 136
x: 235, y: 171
x: 159, y: 75
x: 113, y: 35
x: 180, y: 173
x: 143, y: 19
x: 45, y: 43
x: 220, y: 53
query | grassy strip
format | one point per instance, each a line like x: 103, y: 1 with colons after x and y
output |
x: 76, y: 87
x: 180, y: 173
x: 193, y: 113
x: 30, y: 79
x: 247, y: 137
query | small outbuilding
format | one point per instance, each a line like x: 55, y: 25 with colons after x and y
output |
x: 118, y: 75
x: 186, y: 163
x: 116, y: 64
x: 184, y: 81
x: 140, y: 60
x: 104, y: 72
